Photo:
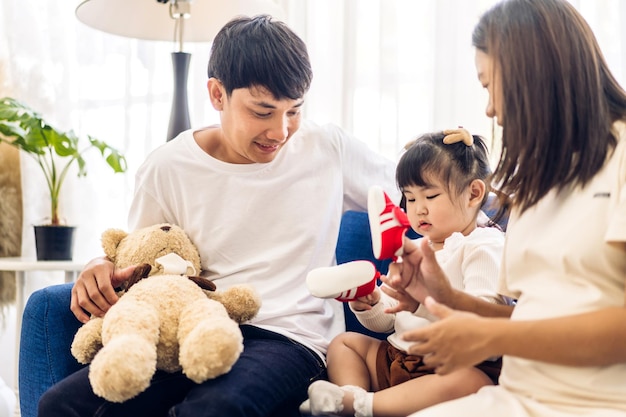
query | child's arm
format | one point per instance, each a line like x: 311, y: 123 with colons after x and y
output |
x: 370, y: 312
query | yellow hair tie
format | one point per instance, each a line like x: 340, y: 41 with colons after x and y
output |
x: 458, y: 135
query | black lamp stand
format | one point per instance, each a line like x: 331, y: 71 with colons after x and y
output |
x: 179, y: 116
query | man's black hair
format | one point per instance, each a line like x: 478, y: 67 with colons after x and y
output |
x: 260, y: 51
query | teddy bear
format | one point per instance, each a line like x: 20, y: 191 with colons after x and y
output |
x: 167, y: 317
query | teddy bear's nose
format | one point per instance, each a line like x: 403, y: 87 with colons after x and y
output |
x: 166, y: 228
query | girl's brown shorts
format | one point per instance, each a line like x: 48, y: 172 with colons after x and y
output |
x: 394, y: 366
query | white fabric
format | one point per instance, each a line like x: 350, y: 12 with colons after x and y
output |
x: 471, y: 263
x: 492, y: 401
x: 561, y: 259
x: 268, y: 224
x: 363, y: 403
x: 173, y: 263
x: 7, y: 400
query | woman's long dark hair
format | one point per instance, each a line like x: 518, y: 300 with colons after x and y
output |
x: 559, y: 98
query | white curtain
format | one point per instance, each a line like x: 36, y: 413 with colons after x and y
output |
x: 390, y: 70
x: 386, y: 70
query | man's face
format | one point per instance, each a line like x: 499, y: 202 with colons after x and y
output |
x: 255, y: 125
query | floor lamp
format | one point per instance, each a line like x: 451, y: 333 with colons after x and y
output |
x: 179, y: 21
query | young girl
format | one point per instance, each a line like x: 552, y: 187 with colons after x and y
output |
x: 563, y: 162
x: 444, y: 187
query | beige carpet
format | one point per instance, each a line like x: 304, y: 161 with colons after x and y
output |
x: 10, y: 218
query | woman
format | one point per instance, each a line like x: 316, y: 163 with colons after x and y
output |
x: 564, y: 165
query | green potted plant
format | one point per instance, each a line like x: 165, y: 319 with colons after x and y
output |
x: 55, y: 152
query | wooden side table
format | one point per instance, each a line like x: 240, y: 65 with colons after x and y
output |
x: 22, y: 265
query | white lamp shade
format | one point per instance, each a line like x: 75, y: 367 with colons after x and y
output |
x: 150, y: 20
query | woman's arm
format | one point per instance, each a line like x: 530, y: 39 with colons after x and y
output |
x: 419, y: 275
x: 462, y: 339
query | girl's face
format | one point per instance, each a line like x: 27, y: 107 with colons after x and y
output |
x: 436, y: 213
x: 490, y: 80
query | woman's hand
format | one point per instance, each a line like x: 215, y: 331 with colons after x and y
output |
x: 93, y: 292
x: 458, y: 340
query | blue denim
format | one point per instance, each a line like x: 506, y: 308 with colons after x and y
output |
x: 48, y: 328
x: 270, y: 379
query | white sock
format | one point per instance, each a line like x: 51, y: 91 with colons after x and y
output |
x: 327, y: 398
x: 363, y: 403
x: 324, y: 398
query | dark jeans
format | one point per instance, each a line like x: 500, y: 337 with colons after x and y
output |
x: 270, y: 378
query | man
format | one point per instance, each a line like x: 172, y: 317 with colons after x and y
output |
x: 261, y: 195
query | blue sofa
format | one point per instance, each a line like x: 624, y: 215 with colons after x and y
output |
x: 48, y: 325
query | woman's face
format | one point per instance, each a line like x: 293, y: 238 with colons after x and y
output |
x: 491, y: 80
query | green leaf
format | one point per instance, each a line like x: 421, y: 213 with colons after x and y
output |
x: 24, y: 128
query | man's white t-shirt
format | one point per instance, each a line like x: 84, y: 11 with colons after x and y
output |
x: 266, y: 225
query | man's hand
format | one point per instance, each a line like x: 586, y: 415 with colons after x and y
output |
x: 93, y: 292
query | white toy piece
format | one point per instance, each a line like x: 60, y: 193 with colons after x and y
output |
x: 345, y: 282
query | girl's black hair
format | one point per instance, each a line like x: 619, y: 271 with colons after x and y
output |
x: 455, y: 165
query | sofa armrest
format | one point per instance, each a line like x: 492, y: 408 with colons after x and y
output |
x: 48, y: 328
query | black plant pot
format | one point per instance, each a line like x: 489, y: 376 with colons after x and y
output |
x: 54, y: 243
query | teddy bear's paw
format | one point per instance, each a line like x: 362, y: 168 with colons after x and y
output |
x: 123, y: 368
x: 211, y: 349
x: 242, y: 302
x: 87, y: 341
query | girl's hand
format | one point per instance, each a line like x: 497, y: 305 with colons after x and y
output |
x: 367, y: 302
x: 405, y: 301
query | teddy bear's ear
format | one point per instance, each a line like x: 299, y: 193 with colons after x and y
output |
x: 111, y: 238
x: 205, y: 284
x: 140, y: 272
